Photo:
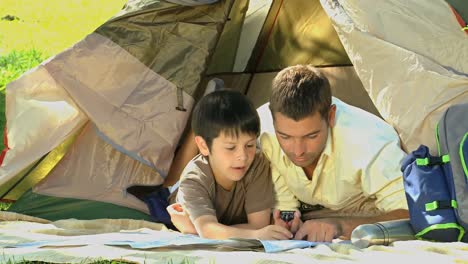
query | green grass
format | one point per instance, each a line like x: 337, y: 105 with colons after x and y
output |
x: 13, y: 64
x: 38, y: 29
x: 96, y: 262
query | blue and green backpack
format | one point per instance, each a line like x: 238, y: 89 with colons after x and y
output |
x: 436, y: 186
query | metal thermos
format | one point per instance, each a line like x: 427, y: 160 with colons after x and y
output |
x: 382, y: 233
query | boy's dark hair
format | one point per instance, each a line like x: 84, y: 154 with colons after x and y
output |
x: 299, y: 91
x: 225, y: 111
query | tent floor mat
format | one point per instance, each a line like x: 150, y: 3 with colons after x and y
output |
x: 56, y: 208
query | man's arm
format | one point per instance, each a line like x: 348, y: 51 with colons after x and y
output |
x: 326, y: 229
x: 285, y: 199
x: 348, y: 225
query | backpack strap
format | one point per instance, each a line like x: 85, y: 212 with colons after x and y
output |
x: 435, y: 205
x: 461, y: 231
x: 432, y: 161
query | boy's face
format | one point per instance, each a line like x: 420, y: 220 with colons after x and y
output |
x: 230, y: 157
x: 303, y: 141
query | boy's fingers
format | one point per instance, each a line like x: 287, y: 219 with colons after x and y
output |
x: 295, y: 223
x: 278, y: 221
x: 276, y: 215
x: 329, y: 237
x: 285, y: 232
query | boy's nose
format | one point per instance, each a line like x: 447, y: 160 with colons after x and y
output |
x: 242, y: 155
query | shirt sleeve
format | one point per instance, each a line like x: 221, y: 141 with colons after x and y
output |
x: 259, y: 189
x: 284, y: 198
x: 194, y: 196
x: 383, y: 179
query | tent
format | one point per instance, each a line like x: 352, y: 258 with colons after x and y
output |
x: 110, y: 112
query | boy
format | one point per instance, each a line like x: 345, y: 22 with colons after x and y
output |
x: 226, y: 191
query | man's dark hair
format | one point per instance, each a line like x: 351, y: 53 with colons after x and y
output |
x: 225, y: 111
x: 300, y: 91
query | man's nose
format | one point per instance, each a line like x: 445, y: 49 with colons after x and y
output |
x: 299, y: 148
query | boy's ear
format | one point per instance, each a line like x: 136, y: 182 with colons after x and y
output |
x: 202, y: 146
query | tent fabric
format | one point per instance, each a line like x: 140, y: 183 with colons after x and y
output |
x: 239, y: 36
x: 411, y: 57
x: 121, y: 90
x: 289, y: 36
x: 142, y: 68
x: 54, y: 208
x: 292, y: 36
x: 40, y: 115
x: 92, y: 160
x: 136, y: 90
x: 192, y: 2
x: 255, y: 17
x: 127, y: 89
x: 33, y: 174
x: 173, y: 41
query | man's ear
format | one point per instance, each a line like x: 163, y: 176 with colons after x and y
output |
x: 202, y: 146
x: 331, y: 115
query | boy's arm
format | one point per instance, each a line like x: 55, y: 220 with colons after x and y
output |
x: 208, y: 226
x: 256, y: 220
x: 212, y: 229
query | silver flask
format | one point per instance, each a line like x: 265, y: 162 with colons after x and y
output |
x: 382, y: 233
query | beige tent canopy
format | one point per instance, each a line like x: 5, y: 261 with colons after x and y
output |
x: 110, y: 111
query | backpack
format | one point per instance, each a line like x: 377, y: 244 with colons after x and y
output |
x: 436, y: 186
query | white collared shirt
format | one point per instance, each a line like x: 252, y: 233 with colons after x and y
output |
x: 360, y: 162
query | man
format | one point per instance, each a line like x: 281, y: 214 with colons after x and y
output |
x: 336, y: 165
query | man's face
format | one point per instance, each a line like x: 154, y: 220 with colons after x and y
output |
x: 230, y: 157
x: 302, y: 141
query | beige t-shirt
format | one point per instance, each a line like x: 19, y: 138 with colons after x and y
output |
x: 200, y: 195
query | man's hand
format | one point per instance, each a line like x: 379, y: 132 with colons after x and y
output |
x: 319, y: 230
x: 292, y: 225
x: 273, y: 232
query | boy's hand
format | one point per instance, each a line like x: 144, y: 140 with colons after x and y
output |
x: 180, y: 219
x: 273, y: 232
x: 292, y: 225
